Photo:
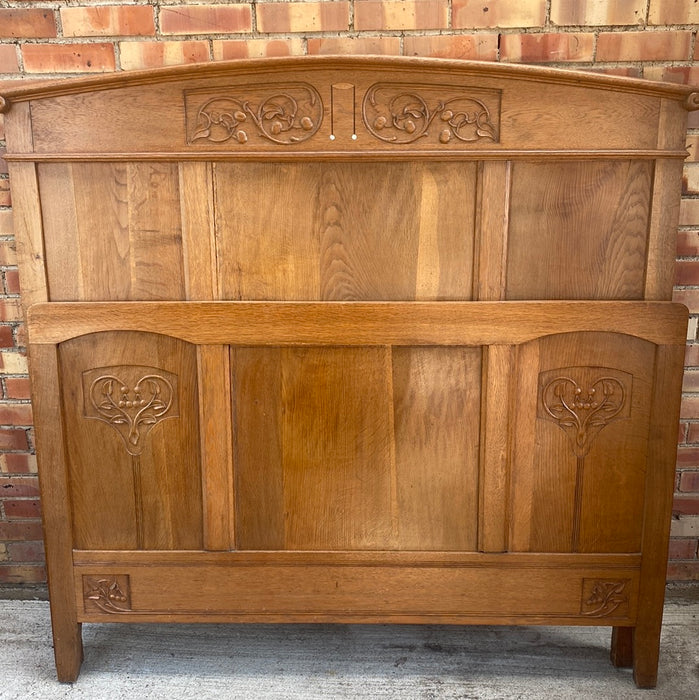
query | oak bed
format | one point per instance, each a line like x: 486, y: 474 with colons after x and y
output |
x: 353, y: 340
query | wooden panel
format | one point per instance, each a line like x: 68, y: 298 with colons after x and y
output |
x: 578, y: 470
x: 345, y: 231
x: 335, y: 447
x: 112, y: 231
x: 130, y: 402
x: 578, y: 230
x: 357, y: 323
x: 480, y: 594
x: 437, y: 396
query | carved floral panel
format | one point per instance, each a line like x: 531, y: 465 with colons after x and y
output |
x: 110, y: 594
x: 401, y: 113
x: 582, y: 401
x: 282, y: 114
x: 604, y: 597
x: 132, y: 399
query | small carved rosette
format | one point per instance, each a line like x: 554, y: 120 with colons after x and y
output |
x: 583, y: 400
x: 131, y: 398
x: 402, y: 114
x: 281, y: 114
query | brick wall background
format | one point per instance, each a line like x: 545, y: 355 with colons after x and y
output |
x: 654, y: 39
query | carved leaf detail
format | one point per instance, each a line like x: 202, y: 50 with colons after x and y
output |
x: 131, y: 399
x: 604, y: 598
x: 583, y: 407
x: 402, y: 114
x: 282, y: 114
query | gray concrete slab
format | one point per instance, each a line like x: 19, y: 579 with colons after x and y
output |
x: 340, y: 661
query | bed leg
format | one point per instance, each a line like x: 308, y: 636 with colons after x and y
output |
x: 622, y: 647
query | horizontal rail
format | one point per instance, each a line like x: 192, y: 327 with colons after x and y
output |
x: 359, y: 323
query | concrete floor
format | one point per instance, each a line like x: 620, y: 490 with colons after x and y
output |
x: 340, y: 661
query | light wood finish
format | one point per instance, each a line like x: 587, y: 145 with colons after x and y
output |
x: 353, y: 339
x: 399, y: 323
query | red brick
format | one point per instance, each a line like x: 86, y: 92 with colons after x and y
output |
x: 689, y: 482
x: 687, y: 456
x: 5, y: 199
x: 277, y: 17
x: 682, y: 433
x: 16, y: 414
x: 10, y: 310
x: 12, y: 281
x: 468, y: 14
x: 18, y: 530
x: 19, y: 487
x: 22, y: 508
x: 686, y: 505
x: 17, y: 388
x: 225, y: 49
x: 691, y: 381
x: 22, y: 574
x: 689, y: 212
x: 27, y: 23
x: 206, y: 19
x: 21, y: 335
x: 673, y: 12
x: 643, y: 46
x: 683, y: 571
x: 8, y: 253
x: 480, y: 47
x: 7, y: 340
x: 13, y: 439
x: 6, y: 223
x: 134, y: 55
x: 693, y: 434
x: 68, y: 58
x: 8, y: 59
x: 688, y: 244
x: 682, y: 549
x: 574, y: 12
x: 687, y: 272
x: 26, y: 551
x: 547, y: 48
x: 18, y: 463
x: 108, y: 20
x: 400, y: 14
x: 690, y: 409
x: 380, y: 45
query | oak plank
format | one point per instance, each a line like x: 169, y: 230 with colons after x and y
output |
x: 357, y: 323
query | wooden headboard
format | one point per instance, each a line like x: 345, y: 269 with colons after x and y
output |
x: 353, y: 339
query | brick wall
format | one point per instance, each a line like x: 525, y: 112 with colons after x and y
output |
x: 654, y: 39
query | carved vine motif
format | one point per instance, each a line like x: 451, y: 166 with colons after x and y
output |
x: 402, y: 114
x: 583, y: 410
x: 132, y: 406
x: 603, y: 597
x: 110, y: 595
x: 282, y: 114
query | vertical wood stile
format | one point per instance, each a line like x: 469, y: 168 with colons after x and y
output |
x: 29, y: 233
x: 215, y: 425
x: 490, y: 254
x: 198, y: 231
x: 56, y: 509
x: 662, y: 230
x: 493, y: 504
x: 665, y: 205
x: 660, y: 474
